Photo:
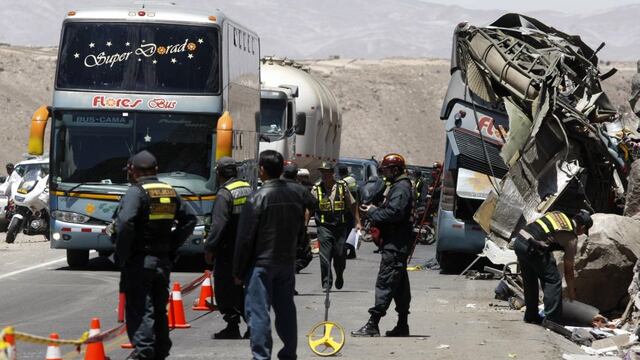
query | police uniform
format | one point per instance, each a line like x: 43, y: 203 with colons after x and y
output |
x: 221, y: 241
x: 331, y: 222
x: 534, y: 246
x: 145, y: 244
x: 393, y: 218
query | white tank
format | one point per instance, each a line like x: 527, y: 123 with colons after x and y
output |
x: 321, y: 140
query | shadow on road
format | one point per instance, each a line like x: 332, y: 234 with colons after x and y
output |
x: 185, y: 263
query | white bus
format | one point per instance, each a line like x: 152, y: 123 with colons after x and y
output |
x: 181, y: 83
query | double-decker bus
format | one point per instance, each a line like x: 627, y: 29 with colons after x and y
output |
x: 181, y: 83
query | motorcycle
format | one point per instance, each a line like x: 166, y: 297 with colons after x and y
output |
x: 30, y: 206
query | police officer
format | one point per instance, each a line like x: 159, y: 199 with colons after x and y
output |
x: 393, y: 218
x: 352, y: 185
x: 220, y: 243
x: 145, y: 244
x: 334, y: 201
x: 289, y: 175
x: 533, y: 246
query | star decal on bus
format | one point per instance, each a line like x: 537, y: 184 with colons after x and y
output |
x: 92, y: 45
x: 173, y: 60
x: 200, y: 41
x: 76, y: 55
x: 109, y: 43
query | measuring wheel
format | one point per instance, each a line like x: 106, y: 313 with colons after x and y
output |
x: 326, y: 338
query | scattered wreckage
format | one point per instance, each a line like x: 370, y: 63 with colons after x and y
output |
x: 565, y: 146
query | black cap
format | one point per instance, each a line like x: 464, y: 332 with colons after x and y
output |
x: 144, y: 160
x: 583, y: 217
x: 226, y: 161
x: 290, y: 170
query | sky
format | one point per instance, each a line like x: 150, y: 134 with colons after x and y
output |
x: 566, y: 6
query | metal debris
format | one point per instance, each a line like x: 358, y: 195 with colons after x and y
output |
x: 565, y: 147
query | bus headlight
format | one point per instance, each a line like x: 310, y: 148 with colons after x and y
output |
x: 71, y: 217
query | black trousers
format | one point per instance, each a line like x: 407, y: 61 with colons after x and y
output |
x: 540, y: 267
x: 332, y: 240
x: 147, y: 294
x: 392, y: 284
x: 229, y: 296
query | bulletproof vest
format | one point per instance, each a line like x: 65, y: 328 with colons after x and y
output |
x: 549, y: 224
x: 240, y: 191
x: 159, y: 212
x: 331, y: 212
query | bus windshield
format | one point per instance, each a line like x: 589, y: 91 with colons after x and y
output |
x: 94, y: 146
x: 139, y: 57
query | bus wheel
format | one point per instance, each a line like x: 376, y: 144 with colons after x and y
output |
x: 77, y: 258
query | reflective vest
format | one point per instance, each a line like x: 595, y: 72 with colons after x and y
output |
x: 331, y: 209
x: 352, y: 183
x: 549, y: 224
x: 158, y: 216
x: 240, y: 191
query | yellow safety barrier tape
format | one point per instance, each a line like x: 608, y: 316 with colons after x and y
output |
x: 40, y: 340
x: 415, y: 268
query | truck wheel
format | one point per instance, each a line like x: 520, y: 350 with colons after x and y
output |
x: 77, y: 258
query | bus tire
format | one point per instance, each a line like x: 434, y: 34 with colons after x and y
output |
x: 77, y: 258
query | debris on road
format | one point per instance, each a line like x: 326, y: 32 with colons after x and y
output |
x: 443, y: 346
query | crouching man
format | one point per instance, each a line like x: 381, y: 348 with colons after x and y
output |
x: 534, y: 246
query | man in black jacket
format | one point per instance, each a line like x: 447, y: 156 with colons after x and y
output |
x: 265, y: 255
x: 220, y: 244
x: 144, y: 245
x: 393, y: 218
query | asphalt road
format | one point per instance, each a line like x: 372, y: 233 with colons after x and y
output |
x: 451, y: 318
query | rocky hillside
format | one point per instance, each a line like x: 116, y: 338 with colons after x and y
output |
x: 388, y: 105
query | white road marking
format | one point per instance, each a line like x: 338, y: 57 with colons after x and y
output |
x: 37, y: 266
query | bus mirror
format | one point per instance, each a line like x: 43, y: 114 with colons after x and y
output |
x: 224, y: 135
x: 301, y: 123
x: 36, y: 133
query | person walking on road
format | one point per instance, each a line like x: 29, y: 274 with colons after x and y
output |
x: 289, y: 175
x: 220, y: 245
x: 393, y: 218
x: 145, y: 244
x: 334, y: 201
x: 265, y: 255
x: 534, y: 245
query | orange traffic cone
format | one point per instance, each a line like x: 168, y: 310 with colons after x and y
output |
x: 205, y: 302
x: 176, y: 309
x: 95, y: 350
x: 53, y: 350
x: 121, y: 304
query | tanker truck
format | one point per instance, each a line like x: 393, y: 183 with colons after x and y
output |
x: 299, y: 115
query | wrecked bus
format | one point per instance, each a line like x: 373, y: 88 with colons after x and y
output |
x: 543, y: 125
x: 475, y: 132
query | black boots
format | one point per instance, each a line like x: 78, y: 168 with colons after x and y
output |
x: 231, y: 332
x: 401, y: 329
x: 369, y: 329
